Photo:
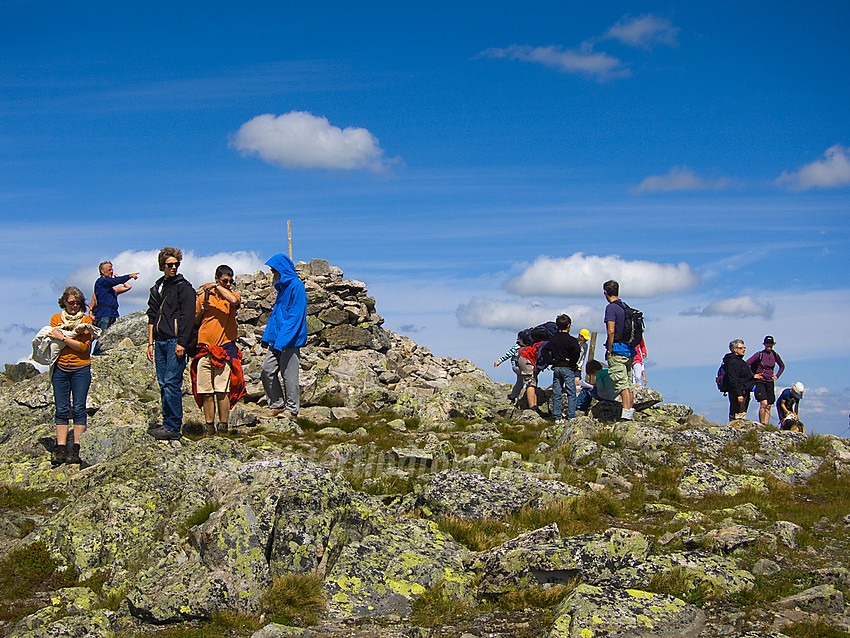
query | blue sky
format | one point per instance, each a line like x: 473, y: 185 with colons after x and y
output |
x: 481, y: 166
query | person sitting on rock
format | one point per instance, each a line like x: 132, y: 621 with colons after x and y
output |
x: 216, y: 369
x: 285, y: 334
x: 600, y: 386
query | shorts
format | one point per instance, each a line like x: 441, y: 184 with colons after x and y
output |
x: 620, y: 371
x: 765, y: 392
x: 526, y: 369
x: 212, y: 380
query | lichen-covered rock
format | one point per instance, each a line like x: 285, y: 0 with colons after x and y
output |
x: 728, y: 539
x: 824, y: 600
x: 473, y: 496
x: 697, y: 568
x: 55, y: 621
x: 599, y: 612
x: 793, y: 468
x: 700, y: 479
x: 383, y: 573
x: 101, y: 443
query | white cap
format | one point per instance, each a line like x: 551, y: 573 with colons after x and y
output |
x: 798, y: 389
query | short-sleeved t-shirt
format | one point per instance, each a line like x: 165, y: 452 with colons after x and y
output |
x: 614, y: 312
x: 219, y: 323
x: 785, y: 398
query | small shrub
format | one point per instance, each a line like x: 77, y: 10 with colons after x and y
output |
x: 436, y: 608
x: 478, y: 535
x: 27, y: 570
x: 198, y: 517
x: 294, y: 599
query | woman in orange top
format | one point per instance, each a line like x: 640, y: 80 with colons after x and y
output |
x: 72, y: 372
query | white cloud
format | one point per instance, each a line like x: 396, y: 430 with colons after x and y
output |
x: 644, y: 31
x: 744, y: 306
x: 198, y: 269
x: 584, y: 276
x: 301, y: 140
x: 510, y: 315
x: 598, y: 65
x: 679, y: 178
x: 832, y: 171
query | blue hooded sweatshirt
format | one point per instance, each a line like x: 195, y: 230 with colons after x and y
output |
x: 287, y: 325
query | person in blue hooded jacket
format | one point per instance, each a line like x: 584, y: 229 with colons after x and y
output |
x: 286, y: 332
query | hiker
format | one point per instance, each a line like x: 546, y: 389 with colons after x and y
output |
x: 512, y: 354
x: 71, y: 375
x: 620, y: 355
x: 600, y: 386
x: 286, y: 332
x: 104, y: 300
x: 171, y: 323
x: 563, y: 350
x: 217, y: 379
x: 527, y: 364
x: 739, y: 379
x: 788, y: 405
x: 762, y: 364
x: 638, y: 369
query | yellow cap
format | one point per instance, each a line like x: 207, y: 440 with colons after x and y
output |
x: 584, y: 332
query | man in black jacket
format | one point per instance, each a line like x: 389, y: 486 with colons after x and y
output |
x: 739, y: 380
x: 171, y: 322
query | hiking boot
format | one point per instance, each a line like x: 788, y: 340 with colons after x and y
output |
x: 74, y: 456
x: 558, y: 421
x: 164, y: 434
x: 210, y: 429
x: 280, y: 413
x: 59, y: 454
x: 222, y: 428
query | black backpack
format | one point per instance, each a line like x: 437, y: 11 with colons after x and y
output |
x: 632, y: 326
x: 543, y: 332
x: 721, y: 378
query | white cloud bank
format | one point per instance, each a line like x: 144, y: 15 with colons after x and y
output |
x: 578, y: 275
x: 644, y: 31
x: 481, y: 312
x: 680, y: 178
x: 597, y: 65
x: 745, y: 306
x: 831, y: 171
x: 302, y: 140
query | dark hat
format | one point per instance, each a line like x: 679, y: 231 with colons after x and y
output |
x: 769, y: 340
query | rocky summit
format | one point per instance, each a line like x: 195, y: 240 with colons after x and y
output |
x: 409, y: 498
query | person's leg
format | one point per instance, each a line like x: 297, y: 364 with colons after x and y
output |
x: 222, y: 399
x: 531, y: 393
x: 270, y: 375
x: 209, y: 412
x: 557, y: 392
x: 290, y: 364
x: 517, y: 389
x: 570, y: 385
x: 620, y: 373
x: 169, y: 372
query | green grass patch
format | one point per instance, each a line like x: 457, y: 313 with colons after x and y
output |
x: 535, y: 598
x: 436, y: 608
x: 814, y: 444
x: 680, y: 583
x: 814, y: 629
x: 24, y: 572
x: 198, y: 517
x: 768, y: 589
x: 591, y: 512
x: 478, y: 535
x: 221, y: 624
x: 17, y: 498
x: 294, y: 599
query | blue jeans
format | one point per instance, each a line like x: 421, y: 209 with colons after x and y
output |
x: 103, y: 323
x: 169, y: 376
x: 585, y: 398
x: 564, y: 379
x: 67, y: 385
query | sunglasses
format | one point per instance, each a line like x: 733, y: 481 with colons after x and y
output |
x: 226, y: 280
x: 69, y: 302
x: 172, y: 264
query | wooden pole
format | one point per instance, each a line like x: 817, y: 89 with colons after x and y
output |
x: 591, y: 353
x: 289, y: 233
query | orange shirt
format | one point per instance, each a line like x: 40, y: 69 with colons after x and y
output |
x: 69, y: 356
x: 219, y: 323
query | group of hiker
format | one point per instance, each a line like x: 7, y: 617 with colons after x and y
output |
x: 182, y: 324
x: 739, y: 378
x: 551, y: 344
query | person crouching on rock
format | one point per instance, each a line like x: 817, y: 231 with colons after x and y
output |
x: 217, y: 378
x: 286, y: 332
x: 71, y: 376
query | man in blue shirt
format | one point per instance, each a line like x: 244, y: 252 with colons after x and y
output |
x: 106, y: 291
x: 620, y: 355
